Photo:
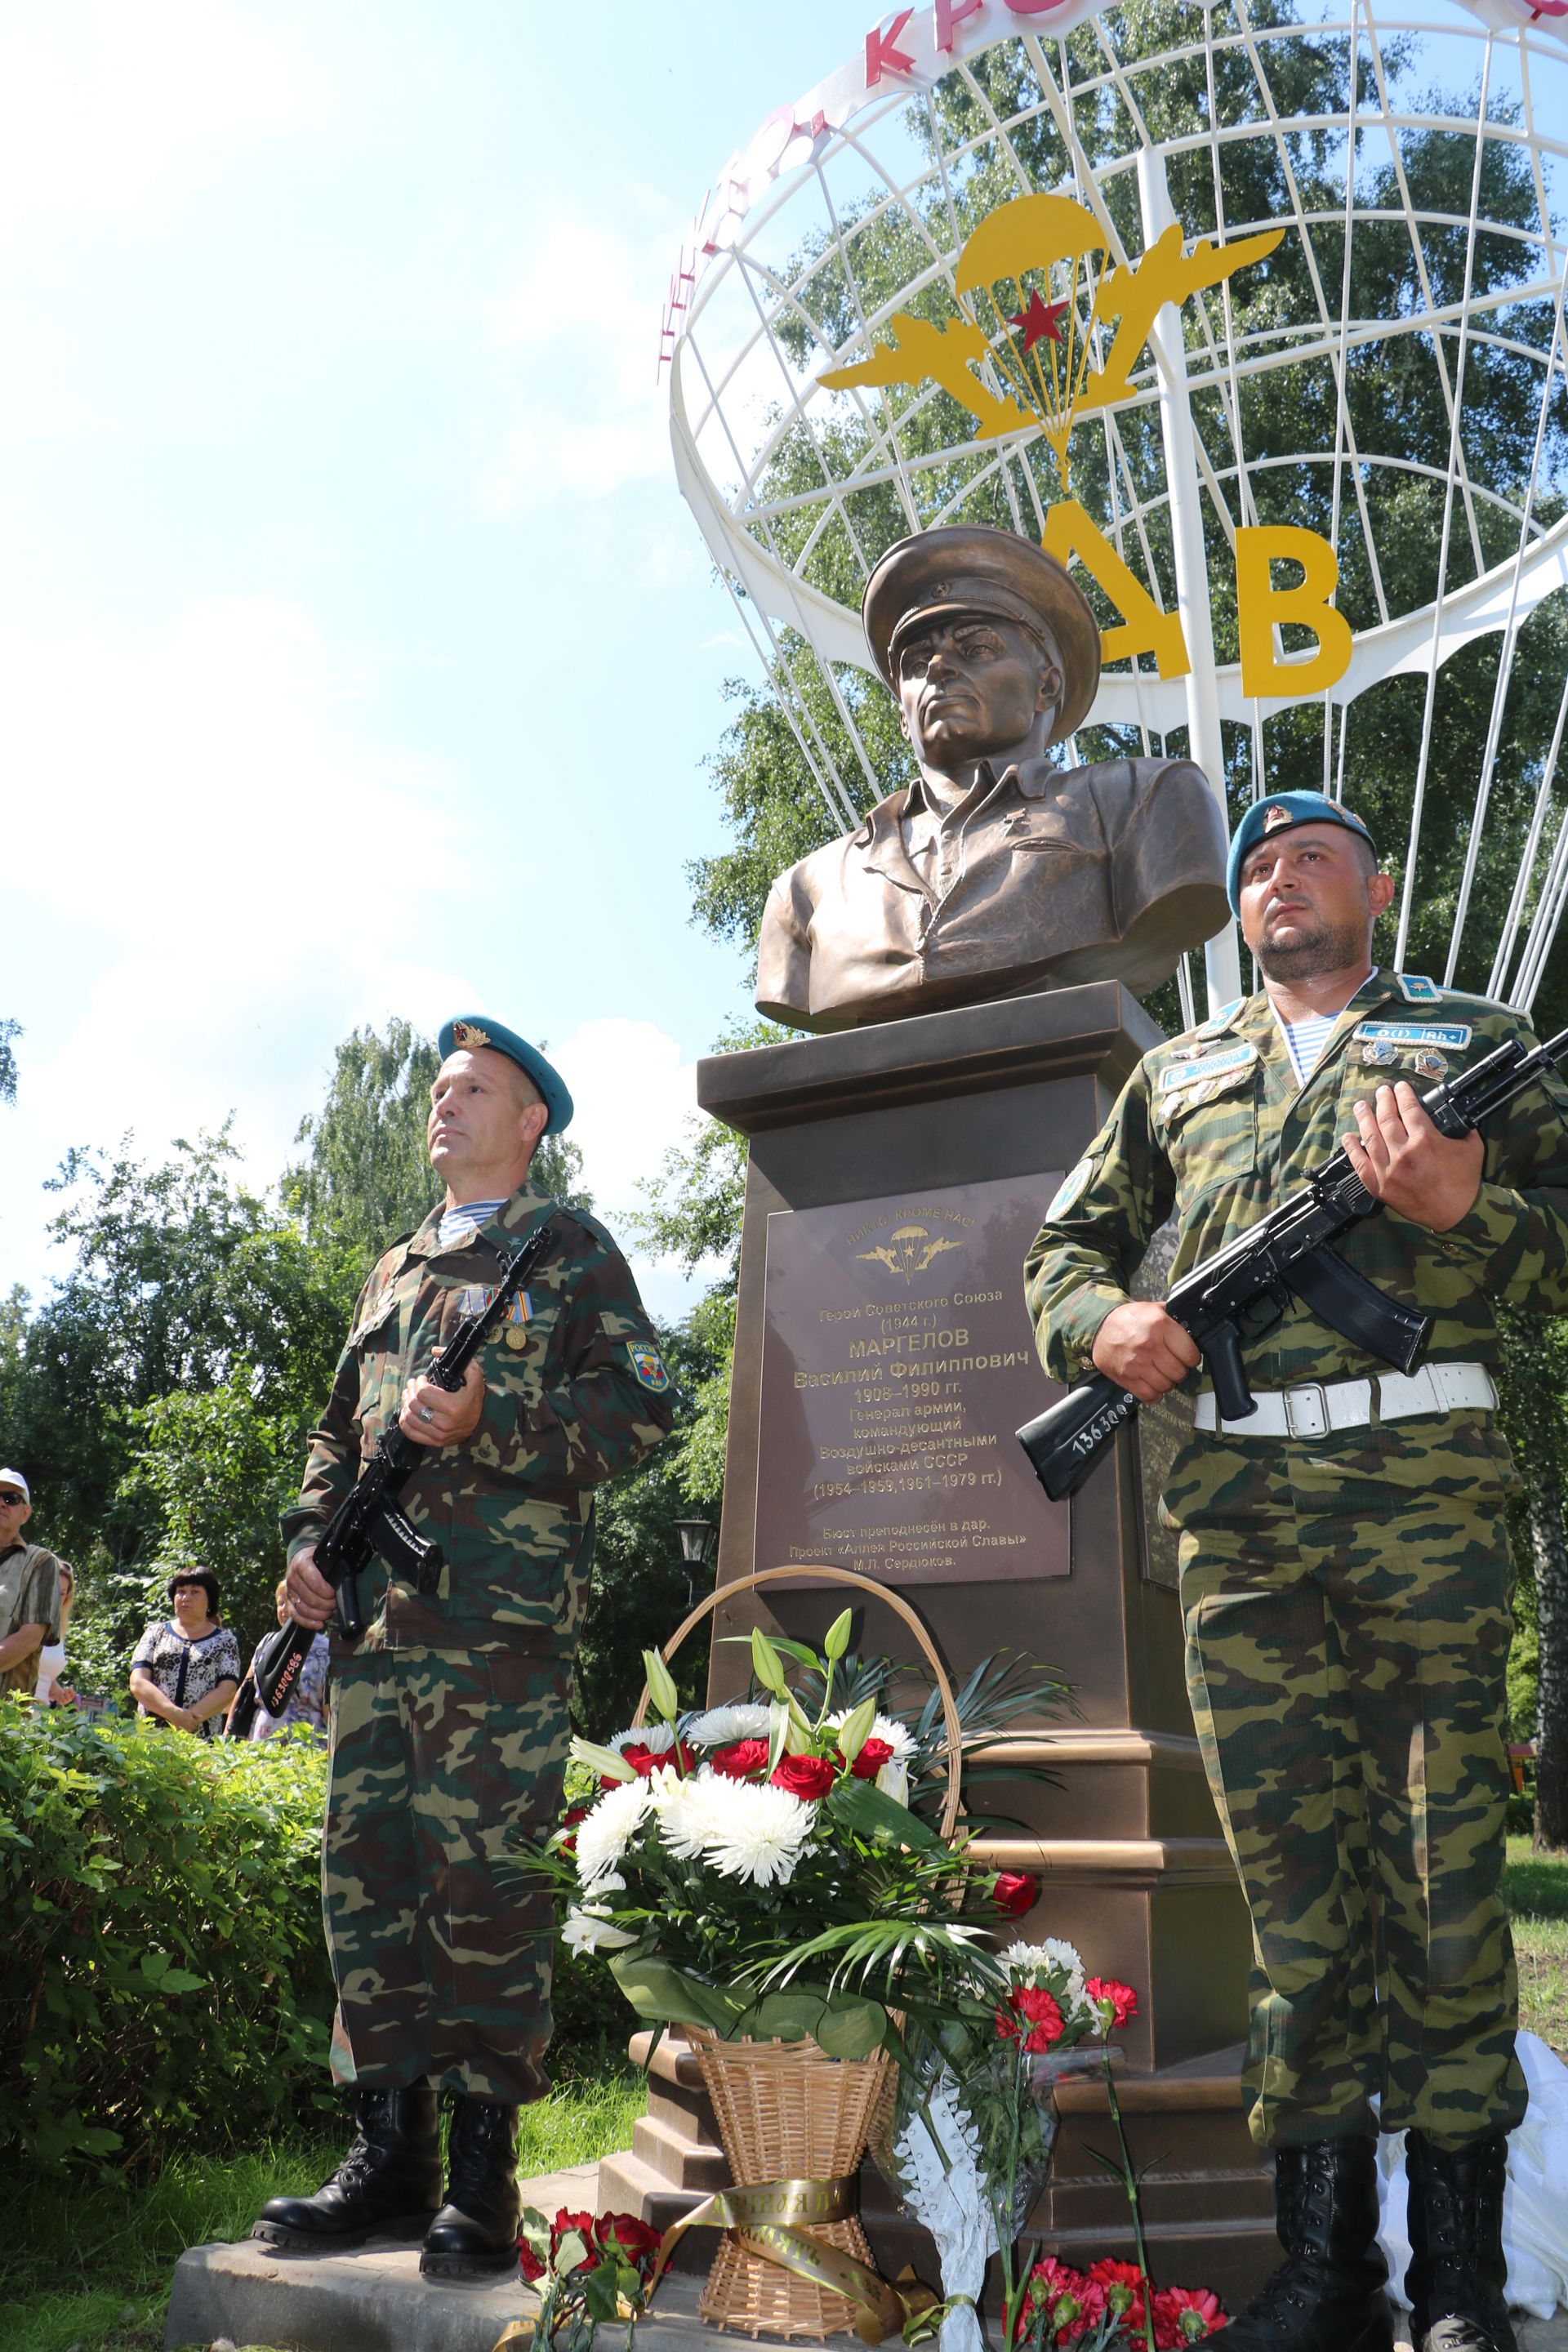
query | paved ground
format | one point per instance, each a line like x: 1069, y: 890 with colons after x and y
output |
x: 373, y: 2300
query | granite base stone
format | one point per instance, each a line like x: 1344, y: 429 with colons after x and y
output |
x: 374, y: 2299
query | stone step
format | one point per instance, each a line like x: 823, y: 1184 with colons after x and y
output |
x: 680, y: 2161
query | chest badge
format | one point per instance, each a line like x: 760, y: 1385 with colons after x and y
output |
x: 1377, y: 1054
x: 1431, y: 1066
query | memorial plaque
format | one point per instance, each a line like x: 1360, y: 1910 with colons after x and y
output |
x: 897, y: 1363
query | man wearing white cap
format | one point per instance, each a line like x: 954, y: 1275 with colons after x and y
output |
x: 29, y: 1589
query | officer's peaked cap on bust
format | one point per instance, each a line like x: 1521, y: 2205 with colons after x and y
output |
x: 1282, y: 812
x: 969, y: 568
x: 475, y: 1031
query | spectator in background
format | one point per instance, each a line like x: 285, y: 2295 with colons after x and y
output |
x: 308, y: 1702
x: 52, y: 1690
x: 186, y: 1669
x: 29, y: 1589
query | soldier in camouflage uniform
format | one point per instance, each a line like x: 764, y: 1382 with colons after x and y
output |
x: 450, y: 1722
x: 1344, y: 1566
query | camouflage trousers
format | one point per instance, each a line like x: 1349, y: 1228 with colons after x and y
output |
x: 442, y: 1763
x: 1346, y: 1606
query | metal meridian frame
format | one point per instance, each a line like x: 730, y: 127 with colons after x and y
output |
x: 737, y: 396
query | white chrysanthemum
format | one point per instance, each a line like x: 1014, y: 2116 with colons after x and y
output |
x: 720, y: 1727
x: 899, y: 1736
x: 593, y: 1931
x: 739, y: 1829
x: 609, y: 1829
x: 1047, y: 1958
x: 655, y: 1737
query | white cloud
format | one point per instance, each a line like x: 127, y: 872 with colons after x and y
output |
x: 636, y: 1097
x: 98, y: 101
x: 584, y: 320
x: 192, y: 820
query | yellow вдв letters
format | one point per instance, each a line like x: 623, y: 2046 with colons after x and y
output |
x: 1144, y: 628
x: 1259, y: 605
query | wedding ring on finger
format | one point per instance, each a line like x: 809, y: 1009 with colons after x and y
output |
x: 427, y: 1413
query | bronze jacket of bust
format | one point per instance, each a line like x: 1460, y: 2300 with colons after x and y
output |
x: 1063, y: 874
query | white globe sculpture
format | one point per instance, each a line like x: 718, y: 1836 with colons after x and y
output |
x: 874, y: 144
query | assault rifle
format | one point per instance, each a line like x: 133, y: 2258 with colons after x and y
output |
x: 1244, y: 1289
x: 368, y: 1521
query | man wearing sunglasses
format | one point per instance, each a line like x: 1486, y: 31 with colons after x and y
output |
x: 29, y: 1589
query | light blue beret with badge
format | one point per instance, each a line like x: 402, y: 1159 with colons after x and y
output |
x: 473, y: 1033
x: 1282, y: 812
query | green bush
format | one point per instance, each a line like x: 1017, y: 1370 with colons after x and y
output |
x: 163, y: 1977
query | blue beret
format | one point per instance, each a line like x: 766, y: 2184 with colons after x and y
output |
x: 1282, y: 812
x: 472, y: 1031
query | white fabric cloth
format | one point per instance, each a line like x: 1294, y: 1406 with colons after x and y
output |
x: 1535, y: 2199
x: 461, y: 1225
x: 51, y: 1665
x: 945, y: 2193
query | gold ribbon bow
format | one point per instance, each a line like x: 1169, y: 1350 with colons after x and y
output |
x: 766, y: 2217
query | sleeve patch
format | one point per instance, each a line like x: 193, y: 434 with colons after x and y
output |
x: 648, y: 1366
x: 1071, y: 1189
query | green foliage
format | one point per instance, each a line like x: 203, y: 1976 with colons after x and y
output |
x: 162, y: 1980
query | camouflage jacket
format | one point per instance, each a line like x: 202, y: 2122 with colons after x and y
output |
x: 574, y: 1391
x: 1214, y: 1128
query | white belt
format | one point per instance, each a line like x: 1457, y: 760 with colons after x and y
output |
x: 1319, y: 1406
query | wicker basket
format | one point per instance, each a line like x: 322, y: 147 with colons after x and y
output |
x: 787, y: 2111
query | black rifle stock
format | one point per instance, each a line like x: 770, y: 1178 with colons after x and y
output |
x: 368, y: 1521
x: 1242, y: 1289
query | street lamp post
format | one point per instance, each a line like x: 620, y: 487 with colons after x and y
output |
x: 695, y: 1549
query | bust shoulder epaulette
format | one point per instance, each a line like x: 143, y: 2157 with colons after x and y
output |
x: 1417, y: 989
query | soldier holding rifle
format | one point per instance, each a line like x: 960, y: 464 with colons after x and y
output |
x: 450, y: 1721
x: 1344, y: 1564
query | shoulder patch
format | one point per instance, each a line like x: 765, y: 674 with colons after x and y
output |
x: 1417, y: 989
x: 1220, y: 1020
x: 648, y: 1366
x: 1071, y: 1189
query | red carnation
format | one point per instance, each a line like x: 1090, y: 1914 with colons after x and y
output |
x: 528, y: 2262
x: 871, y: 1758
x: 1015, y: 1892
x: 805, y: 1776
x: 1185, y: 2314
x: 739, y: 1762
x: 1030, y: 2006
x: 1107, y: 1994
x: 1122, y: 2285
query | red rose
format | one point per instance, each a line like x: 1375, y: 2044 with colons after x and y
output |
x: 528, y: 2262
x: 871, y: 1758
x: 644, y: 1763
x: 1107, y: 1994
x: 739, y: 1762
x: 1015, y: 1892
x: 623, y: 2234
x: 562, y: 2226
x: 805, y: 1776
x: 569, y: 1821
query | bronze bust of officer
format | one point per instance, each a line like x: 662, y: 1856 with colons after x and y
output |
x: 996, y: 872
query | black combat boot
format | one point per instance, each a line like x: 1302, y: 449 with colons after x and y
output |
x: 1457, y: 2274
x: 388, y: 2185
x: 475, y: 2233
x: 1328, y: 2296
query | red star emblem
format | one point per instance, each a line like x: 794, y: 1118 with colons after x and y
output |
x: 1040, y: 322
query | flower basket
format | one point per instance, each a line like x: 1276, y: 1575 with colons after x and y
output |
x: 786, y: 2112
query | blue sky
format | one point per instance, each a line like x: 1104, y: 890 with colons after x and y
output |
x: 357, y: 655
